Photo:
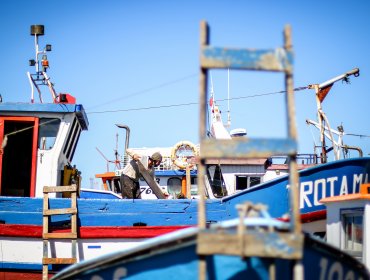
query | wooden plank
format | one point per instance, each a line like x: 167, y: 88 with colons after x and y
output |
x: 74, y: 217
x: 150, y: 181
x: 45, y: 219
x: 278, y: 59
x: 59, y: 260
x: 257, y: 244
x: 246, y: 148
x: 74, y: 248
x: 59, y: 235
x: 45, y: 272
x: 62, y: 211
x: 45, y: 248
x: 59, y: 189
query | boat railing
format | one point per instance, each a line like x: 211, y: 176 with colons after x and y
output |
x: 304, y: 159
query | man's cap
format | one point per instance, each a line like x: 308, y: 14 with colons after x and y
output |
x: 156, y: 156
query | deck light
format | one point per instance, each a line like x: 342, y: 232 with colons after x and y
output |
x: 37, y: 30
x: 32, y: 62
x: 48, y: 48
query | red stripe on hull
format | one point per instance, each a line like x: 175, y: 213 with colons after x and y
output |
x: 10, y: 275
x: 32, y: 231
x: 313, y: 216
x: 309, y: 217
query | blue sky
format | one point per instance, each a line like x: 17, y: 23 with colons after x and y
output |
x: 120, y: 57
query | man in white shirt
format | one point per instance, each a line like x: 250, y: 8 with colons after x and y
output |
x: 130, y: 176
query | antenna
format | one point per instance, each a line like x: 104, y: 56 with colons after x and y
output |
x: 228, y: 98
x: 40, y: 77
x: 117, y: 161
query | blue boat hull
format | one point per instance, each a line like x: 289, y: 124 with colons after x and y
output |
x: 317, y: 182
x: 177, y: 258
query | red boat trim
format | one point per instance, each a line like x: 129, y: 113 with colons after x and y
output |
x: 309, y: 217
x: 313, y: 216
x: 29, y: 275
x: 32, y: 231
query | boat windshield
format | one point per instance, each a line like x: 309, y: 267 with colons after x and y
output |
x: 48, y: 130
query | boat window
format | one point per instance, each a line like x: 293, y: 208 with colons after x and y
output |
x: 352, y: 222
x: 48, y: 130
x: 109, y: 184
x: 174, y: 186
x: 216, y: 180
x: 116, y: 186
x: 194, y: 186
x: 243, y: 182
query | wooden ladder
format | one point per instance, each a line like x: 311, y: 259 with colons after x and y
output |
x: 275, y: 60
x: 46, y: 235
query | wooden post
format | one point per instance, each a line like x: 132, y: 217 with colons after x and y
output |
x: 188, y: 182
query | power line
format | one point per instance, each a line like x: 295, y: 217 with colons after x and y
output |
x: 145, y: 90
x: 143, y: 108
x: 191, y: 103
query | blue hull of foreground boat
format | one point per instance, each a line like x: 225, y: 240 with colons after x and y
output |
x: 175, y: 256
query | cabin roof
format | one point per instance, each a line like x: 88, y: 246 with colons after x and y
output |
x: 51, y: 108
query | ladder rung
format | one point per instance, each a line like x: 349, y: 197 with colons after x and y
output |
x: 277, y: 59
x: 59, y: 260
x: 58, y: 189
x: 246, y: 148
x: 59, y: 235
x: 283, y: 245
x: 62, y: 211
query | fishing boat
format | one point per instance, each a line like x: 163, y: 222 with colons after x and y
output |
x: 255, y: 246
x: 36, y: 235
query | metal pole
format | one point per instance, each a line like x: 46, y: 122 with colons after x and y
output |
x: 355, y: 72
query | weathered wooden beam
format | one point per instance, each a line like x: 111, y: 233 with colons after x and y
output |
x: 150, y: 181
x: 246, y: 148
x: 277, y: 59
x: 283, y: 245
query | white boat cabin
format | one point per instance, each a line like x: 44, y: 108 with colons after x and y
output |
x: 38, y: 144
x: 348, y: 223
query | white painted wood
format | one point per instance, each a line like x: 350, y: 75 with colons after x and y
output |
x: 29, y: 250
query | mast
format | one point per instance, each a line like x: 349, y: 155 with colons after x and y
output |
x: 321, y: 91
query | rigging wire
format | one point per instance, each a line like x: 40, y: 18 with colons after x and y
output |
x: 357, y: 135
x: 192, y: 103
x: 146, y: 90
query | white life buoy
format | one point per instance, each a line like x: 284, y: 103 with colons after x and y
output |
x: 182, y: 152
